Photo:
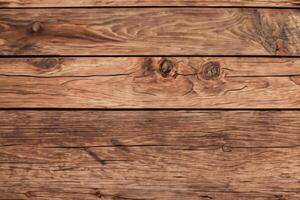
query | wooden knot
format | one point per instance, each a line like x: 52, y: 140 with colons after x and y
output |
x: 165, y: 68
x: 45, y: 64
x: 98, y: 194
x: 48, y: 63
x: 147, y: 67
x: 36, y: 27
x: 211, y: 70
x: 226, y: 148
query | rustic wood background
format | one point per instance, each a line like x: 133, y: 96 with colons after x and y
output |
x: 150, y: 99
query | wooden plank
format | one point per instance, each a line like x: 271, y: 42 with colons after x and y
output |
x: 151, y: 82
x: 150, y: 155
x: 150, y: 31
x: 92, y: 3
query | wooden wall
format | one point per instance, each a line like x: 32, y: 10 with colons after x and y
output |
x: 150, y: 99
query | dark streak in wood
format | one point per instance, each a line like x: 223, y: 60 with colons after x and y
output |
x: 94, y: 155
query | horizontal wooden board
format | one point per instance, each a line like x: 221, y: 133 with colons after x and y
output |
x: 150, y: 155
x: 150, y: 31
x: 151, y: 82
x: 91, y: 3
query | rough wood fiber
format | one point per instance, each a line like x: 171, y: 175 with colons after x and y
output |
x: 150, y: 155
x: 174, y: 82
x: 92, y: 3
x: 150, y: 31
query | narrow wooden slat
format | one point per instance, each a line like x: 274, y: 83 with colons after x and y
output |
x: 156, y: 82
x: 91, y: 3
x: 150, y: 31
x: 150, y: 155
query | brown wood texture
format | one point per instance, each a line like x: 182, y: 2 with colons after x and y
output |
x: 150, y: 31
x: 150, y: 155
x: 106, y: 99
x: 156, y: 82
x: 92, y: 3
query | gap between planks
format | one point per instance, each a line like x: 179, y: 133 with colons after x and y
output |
x: 148, y: 3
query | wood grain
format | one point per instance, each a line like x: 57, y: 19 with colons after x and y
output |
x: 151, y: 82
x: 150, y: 31
x: 92, y: 3
x: 150, y: 155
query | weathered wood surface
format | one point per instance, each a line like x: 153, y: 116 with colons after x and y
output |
x: 150, y: 155
x: 150, y: 31
x: 92, y: 3
x: 156, y: 82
